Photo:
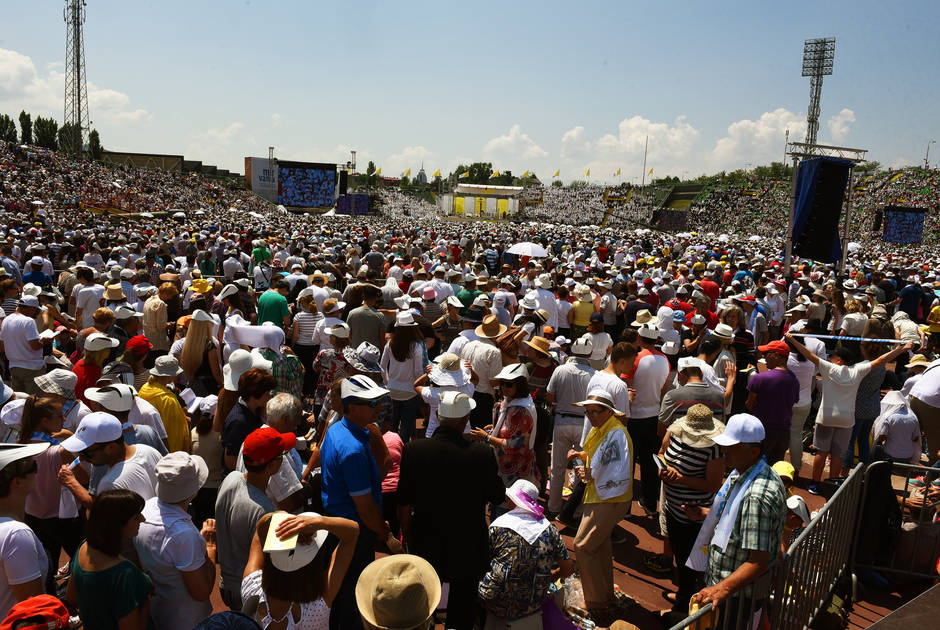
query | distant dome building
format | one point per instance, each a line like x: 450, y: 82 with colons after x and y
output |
x: 421, y: 177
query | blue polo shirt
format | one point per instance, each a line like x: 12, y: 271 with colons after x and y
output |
x: 349, y: 469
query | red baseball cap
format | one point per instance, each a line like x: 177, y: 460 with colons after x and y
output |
x: 776, y: 346
x: 264, y: 444
x: 139, y: 344
x: 49, y: 609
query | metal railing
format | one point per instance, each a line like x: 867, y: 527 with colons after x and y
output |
x: 914, y: 549
x: 791, y: 592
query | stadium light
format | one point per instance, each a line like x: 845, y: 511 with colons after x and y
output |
x: 818, y: 57
x: 927, y: 155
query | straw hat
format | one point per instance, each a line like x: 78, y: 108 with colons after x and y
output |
x: 114, y: 292
x: 724, y: 331
x: 642, y: 317
x: 398, y: 592
x: 584, y: 293
x: 540, y: 345
x: 918, y: 359
x: 448, y: 371
x: 697, y: 428
x: 490, y: 328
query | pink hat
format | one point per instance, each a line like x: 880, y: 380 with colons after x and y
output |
x: 429, y: 293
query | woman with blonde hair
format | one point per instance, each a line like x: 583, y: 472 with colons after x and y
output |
x: 200, y: 357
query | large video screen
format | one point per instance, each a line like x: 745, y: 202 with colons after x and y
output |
x: 903, y: 225
x: 305, y: 184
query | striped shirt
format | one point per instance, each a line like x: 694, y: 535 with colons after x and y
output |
x: 690, y: 462
x: 306, y: 324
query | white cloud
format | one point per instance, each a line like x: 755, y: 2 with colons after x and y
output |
x: 23, y: 87
x: 275, y: 119
x: 409, y: 157
x: 223, y: 146
x: 756, y: 141
x: 839, y: 124
x: 574, y: 144
x: 512, y: 147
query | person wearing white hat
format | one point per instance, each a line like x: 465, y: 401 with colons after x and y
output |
x: 136, y: 415
x: 742, y: 530
x: 25, y: 563
x: 567, y: 385
x: 156, y: 391
x: 608, y: 474
x: 442, y: 506
x: 178, y: 557
x: 20, y: 342
x: 447, y: 374
x: 402, y: 364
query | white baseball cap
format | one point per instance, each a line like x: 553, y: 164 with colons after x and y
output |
x: 126, y: 312
x: 512, y: 372
x: 741, y: 428
x: 455, y: 405
x: 116, y: 397
x: 98, y: 427
x: 362, y: 387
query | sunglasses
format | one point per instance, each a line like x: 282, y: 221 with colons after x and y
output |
x: 88, y: 452
x: 365, y: 403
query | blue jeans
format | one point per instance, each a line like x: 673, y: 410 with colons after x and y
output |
x: 404, y: 413
x: 860, y: 433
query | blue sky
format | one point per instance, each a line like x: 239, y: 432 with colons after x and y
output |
x: 538, y: 86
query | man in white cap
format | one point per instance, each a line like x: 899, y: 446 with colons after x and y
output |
x: 178, y: 558
x: 352, y: 484
x: 567, y: 385
x: 20, y: 342
x: 546, y: 299
x: 444, y: 485
x: 743, y: 527
x: 99, y: 441
x: 119, y: 400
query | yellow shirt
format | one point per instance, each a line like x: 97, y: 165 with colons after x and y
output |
x: 582, y: 313
x: 171, y: 412
x: 611, y: 466
x: 934, y: 320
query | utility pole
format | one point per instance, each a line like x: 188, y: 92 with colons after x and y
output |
x: 76, y: 85
x: 645, y: 147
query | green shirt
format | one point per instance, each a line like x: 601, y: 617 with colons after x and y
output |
x: 272, y: 307
x: 105, y: 597
x: 467, y: 297
x: 260, y: 254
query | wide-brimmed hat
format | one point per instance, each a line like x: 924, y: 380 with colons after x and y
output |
x: 363, y: 358
x: 455, y: 405
x: 540, y: 345
x: 525, y: 496
x: 724, y: 331
x: 583, y: 293
x: 398, y: 592
x: 114, y: 292
x: 643, y: 317
x: 340, y: 330
x: 240, y: 362
x: 290, y: 555
x: 918, y: 360
x: 529, y: 302
x: 167, y: 365
x: 447, y: 371
x: 512, y: 372
x: 10, y: 453
x: 697, y: 428
x: 404, y: 318
x: 99, y: 341
x: 200, y: 285
x: 600, y: 397
x: 58, y: 381
x: 649, y: 331
x: 490, y: 328
x: 544, y: 281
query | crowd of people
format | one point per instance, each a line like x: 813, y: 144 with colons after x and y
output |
x: 258, y: 405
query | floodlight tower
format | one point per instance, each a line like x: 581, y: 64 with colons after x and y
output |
x: 76, y: 86
x: 818, y: 56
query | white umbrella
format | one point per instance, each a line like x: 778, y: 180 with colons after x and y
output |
x: 853, y: 246
x: 179, y: 215
x: 38, y: 203
x: 146, y: 214
x: 200, y: 212
x: 256, y: 215
x: 754, y: 238
x: 533, y: 250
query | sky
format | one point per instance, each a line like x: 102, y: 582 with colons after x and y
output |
x: 538, y: 86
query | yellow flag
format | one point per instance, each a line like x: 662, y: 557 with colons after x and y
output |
x: 495, y: 174
x: 651, y: 172
x: 378, y: 171
x: 437, y: 173
x: 408, y: 173
x: 618, y: 172
x: 588, y: 172
x: 556, y: 173
x: 466, y: 174
x: 526, y: 174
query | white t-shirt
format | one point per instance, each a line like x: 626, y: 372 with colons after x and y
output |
x: 137, y: 473
x: 432, y: 396
x: 144, y: 413
x: 22, y: 560
x: 168, y: 543
x: 88, y: 301
x: 805, y: 373
x: 16, y: 332
x: 564, y: 307
x: 600, y: 342
x: 902, y: 433
x: 839, y: 388
x: 648, y: 380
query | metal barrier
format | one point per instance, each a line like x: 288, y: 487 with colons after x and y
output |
x: 915, y: 550
x: 791, y: 592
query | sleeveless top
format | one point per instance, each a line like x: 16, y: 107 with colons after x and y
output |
x: 314, y: 615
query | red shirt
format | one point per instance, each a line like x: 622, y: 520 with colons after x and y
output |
x: 88, y: 374
x: 711, y: 320
x: 712, y: 290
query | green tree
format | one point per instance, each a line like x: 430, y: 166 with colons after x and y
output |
x: 868, y: 167
x: 47, y: 132
x: 578, y: 184
x: 405, y: 182
x: 505, y: 179
x: 370, y: 174
x: 479, y: 173
x: 26, y: 128
x: 94, y: 145
x: 70, y: 139
x: 7, y: 128
x: 557, y: 183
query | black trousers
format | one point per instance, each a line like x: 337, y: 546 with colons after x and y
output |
x: 682, y: 536
x: 646, y: 442
x: 462, y: 607
x: 344, y: 613
x: 482, y: 415
x: 203, y: 506
x: 307, y: 354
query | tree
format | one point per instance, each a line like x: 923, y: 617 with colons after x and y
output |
x: 370, y: 174
x: 479, y: 173
x: 7, y: 128
x: 557, y: 183
x: 868, y: 167
x: 405, y: 182
x: 26, y: 128
x: 94, y: 145
x: 70, y: 139
x: 47, y: 131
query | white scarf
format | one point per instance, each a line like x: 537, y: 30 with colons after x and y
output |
x: 718, y: 525
x: 523, y: 523
x: 518, y: 402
